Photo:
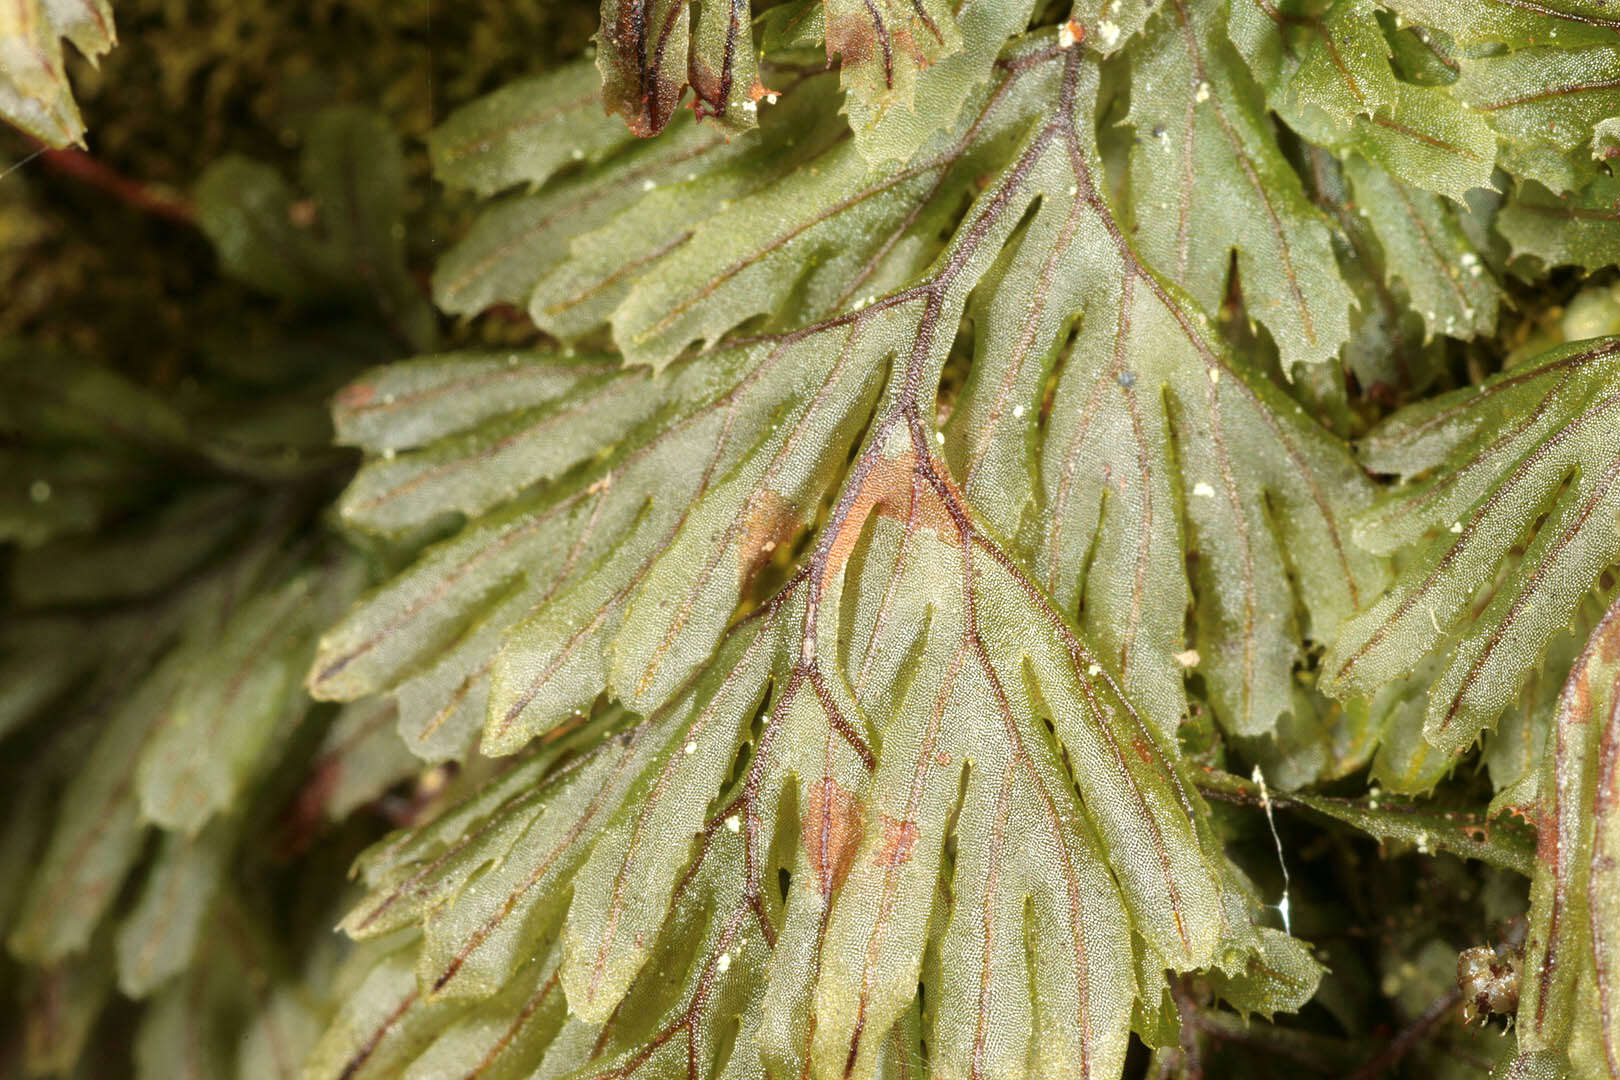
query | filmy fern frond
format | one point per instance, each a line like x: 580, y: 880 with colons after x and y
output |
x: 819, y: 647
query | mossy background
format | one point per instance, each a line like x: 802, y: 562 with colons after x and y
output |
x: 85, y: 273
x: 193, y: 80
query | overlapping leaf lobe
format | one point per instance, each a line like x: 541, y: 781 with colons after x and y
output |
x: 1570, y: 1000
x: 651, y: 51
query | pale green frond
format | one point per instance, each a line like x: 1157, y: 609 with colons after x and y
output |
x: 1443, y: 274
x: 1524, y: 462
x: 345, y: 239
x: 525, y: 132
x: 1329, y: 77
x: 1573, y: 229
x: 1209, y: 181
x: 1543, y: 103
x: 1564, y: 23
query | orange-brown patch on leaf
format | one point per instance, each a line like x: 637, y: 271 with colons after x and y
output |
x: 771, y: 522
x: 851, y: 37
x: 1546, y: 848
x: 355, y: 396
x: 832, y: 828
x: 906, y: 44
x: 1580, y: 696
x: 899, y: 840
x: 889, y: 489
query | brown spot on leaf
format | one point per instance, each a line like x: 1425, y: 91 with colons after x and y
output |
x: 1580, y: 695
x: 1144, y: 749
x: 888, y: 489
x: 770, y: 522
x: 832, y: 829
x: 1546, y: 849
x: 355, y: 396
x: 899, y: 839
x: 851, y: 37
